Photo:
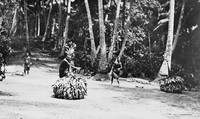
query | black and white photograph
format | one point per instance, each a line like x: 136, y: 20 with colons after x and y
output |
x: 99, y: 59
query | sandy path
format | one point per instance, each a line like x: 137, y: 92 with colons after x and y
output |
x: 32, y: 99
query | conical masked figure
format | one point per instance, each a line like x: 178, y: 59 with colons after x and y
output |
x: 69, y: 86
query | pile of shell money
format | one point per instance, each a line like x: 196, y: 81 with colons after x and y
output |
x: 70, y: 88
x: 172, y: 84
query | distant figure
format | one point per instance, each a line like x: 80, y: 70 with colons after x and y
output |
x: 27, y: 63
x: 117, y: 66
x: 2, y: 68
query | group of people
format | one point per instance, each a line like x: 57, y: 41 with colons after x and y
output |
x: 67, y: 64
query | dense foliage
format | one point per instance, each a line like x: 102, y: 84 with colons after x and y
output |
x: 5, y: 48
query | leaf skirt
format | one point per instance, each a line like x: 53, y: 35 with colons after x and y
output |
x: 71, y: 88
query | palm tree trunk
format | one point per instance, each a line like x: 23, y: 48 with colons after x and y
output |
x: 93, y: 47
x: 38, y: 27
x: 126, y: 31
x: 106, y: 16
x: 1, y: 21
x: 59, y: 22
x: 123, y: 11
x: 53, y: 33
x: 26, y: 24
x: 53, y: 26
x: 35, y: 26
x: 44, y: 11
x: 48, y: 19
x: 179, y: 26
x: 193, y: 57
x: 166, y: 65
x: 103, y: 57
x: 65, y: 34
x: 14, y: 23
x: 113, y: 42
x: 149, y: 38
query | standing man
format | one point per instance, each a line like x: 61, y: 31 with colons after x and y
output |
x: 27, y: 63
x: 117, y: 66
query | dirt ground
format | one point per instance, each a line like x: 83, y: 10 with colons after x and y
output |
x: 31, y: 97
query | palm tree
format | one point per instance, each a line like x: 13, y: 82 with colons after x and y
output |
x: 65, y: 34
x: 59, y: 23
x: 26, y: 23
x: 15, y: 20
x: 48, y: 19
x: 179, y: 26
x: 166, y: 65
x: 93, y: 47
x: 103, y: 58
x: 126, y: 30
x: 110, y: 55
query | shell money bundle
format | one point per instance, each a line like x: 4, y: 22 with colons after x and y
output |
x: 172, y: 84
x: 70, y: 88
